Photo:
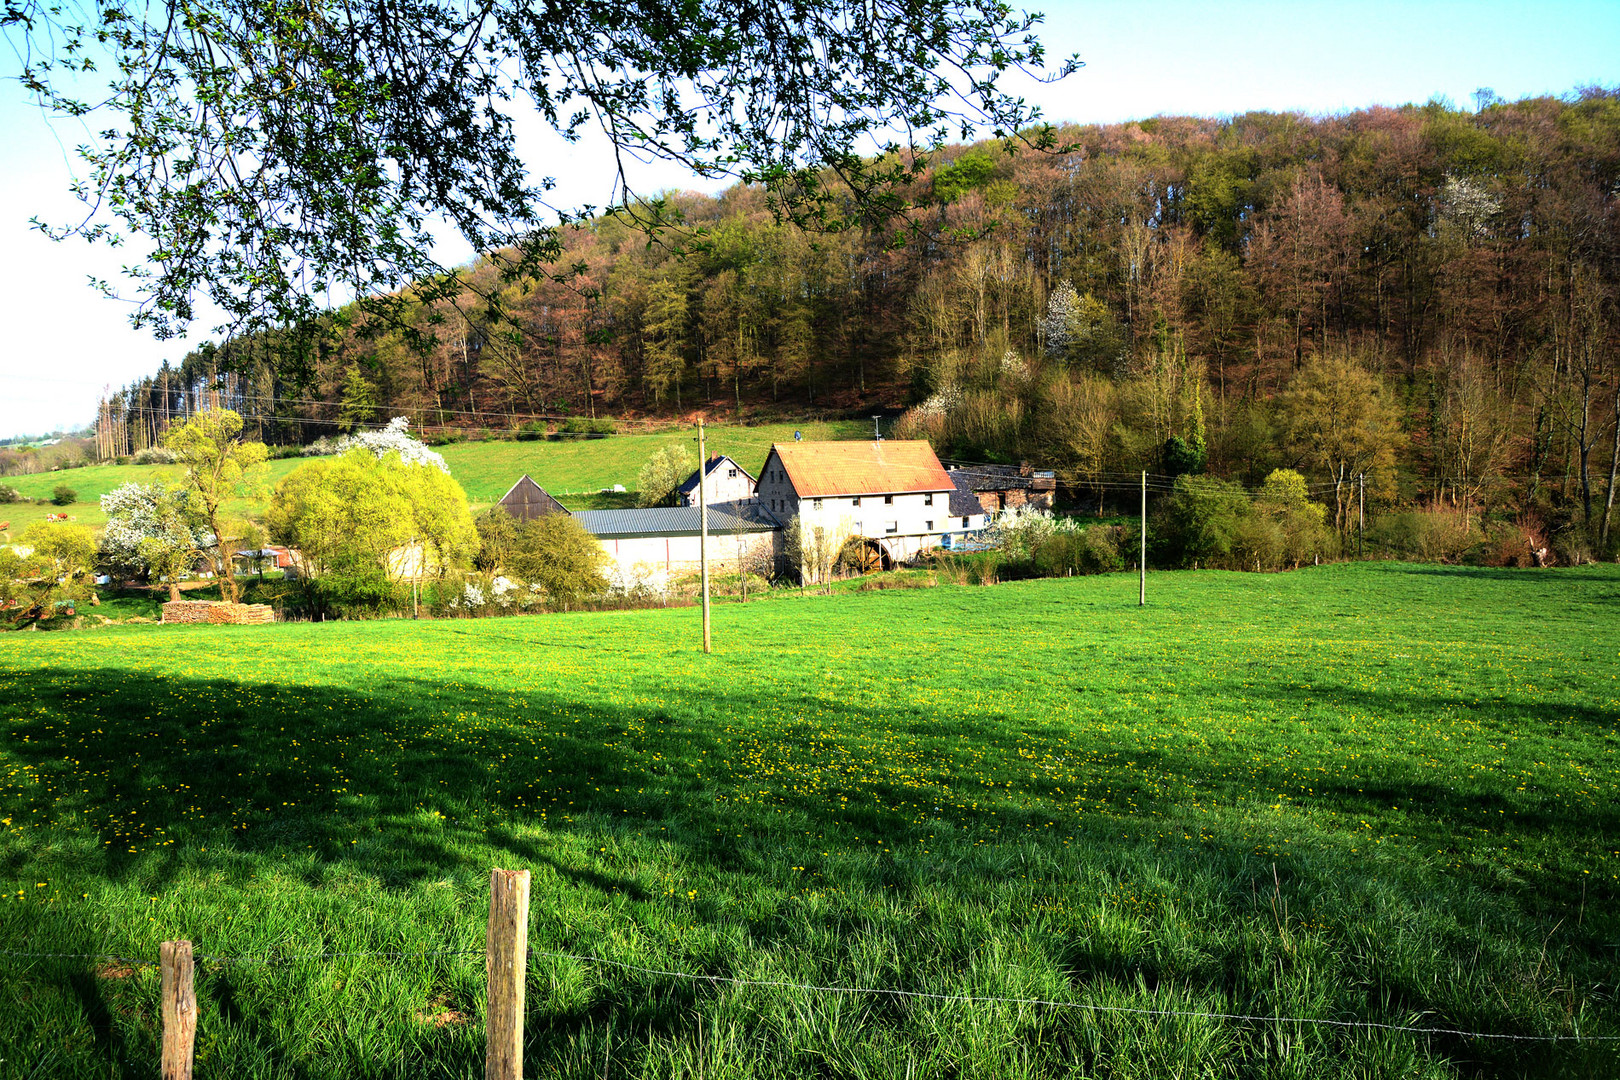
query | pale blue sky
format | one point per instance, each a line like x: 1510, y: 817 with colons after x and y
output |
x: 62, y: 341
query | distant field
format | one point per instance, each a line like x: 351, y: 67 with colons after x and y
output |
x: 1370, y: 792
x: 485, y: 469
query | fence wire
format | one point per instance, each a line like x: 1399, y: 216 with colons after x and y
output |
x: 853, y: 991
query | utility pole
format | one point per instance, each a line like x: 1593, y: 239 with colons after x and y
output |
x: 703, y: 530
x: 1141, y: 588
x: 877, y: 429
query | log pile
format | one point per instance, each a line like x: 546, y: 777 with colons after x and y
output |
x: 214, y: 611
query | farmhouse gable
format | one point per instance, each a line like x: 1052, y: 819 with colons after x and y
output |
x: 725, y: 482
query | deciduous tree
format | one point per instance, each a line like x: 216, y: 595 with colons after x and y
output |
x: 219, y: 466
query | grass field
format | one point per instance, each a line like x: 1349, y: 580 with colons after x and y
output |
x: 486, y: 470
x: 1373, y: 792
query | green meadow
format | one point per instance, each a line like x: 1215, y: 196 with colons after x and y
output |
x: 1371, y: 793
x: 486, y: 470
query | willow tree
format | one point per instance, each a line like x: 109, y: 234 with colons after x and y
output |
x: 273, y: 155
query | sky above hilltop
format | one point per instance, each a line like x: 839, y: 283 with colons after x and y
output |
x: 63, y: 341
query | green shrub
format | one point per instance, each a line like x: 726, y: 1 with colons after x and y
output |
x: 1092, y: 551
x: 580, y: 425
x: 62, y: 495
x: 1427, y: 534
x: 557, y: 554
x: 9, y: 494
x: 1200, y: 522
x: 360, y: 594
x: 1258, y: 543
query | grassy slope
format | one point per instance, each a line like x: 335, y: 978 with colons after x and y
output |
x: 485, y: 469
x: 1360, y: 792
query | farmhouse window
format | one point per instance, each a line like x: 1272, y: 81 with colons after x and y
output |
x: 888, y: 500
x: 732, y: 473
x: 928, y: 500
x: 817, y: 504
x: 964, y: 523
x: 856, y: 501
x: 930, y: 525
x: 891, y: 526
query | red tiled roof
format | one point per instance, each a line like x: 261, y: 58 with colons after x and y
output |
x: 862, y: 468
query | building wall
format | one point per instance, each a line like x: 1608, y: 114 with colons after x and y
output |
x: 722, y: 486
x: 680, y: 554
x: 905, y: 525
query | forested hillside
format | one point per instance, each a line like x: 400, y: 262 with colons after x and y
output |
x: 1425, y: 295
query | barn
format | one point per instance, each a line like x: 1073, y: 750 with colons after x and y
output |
x: 527, y: 500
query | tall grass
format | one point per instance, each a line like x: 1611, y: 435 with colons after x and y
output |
x: 1366, y: 792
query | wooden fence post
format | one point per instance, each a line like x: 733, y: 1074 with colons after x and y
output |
x: 179, y: 1009
x: 506, y: 961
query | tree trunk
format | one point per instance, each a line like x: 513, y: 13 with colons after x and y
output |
x: 1614, y: 470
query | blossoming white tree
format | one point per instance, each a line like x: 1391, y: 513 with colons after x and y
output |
x: 395, y: 438
x: 153, y: 531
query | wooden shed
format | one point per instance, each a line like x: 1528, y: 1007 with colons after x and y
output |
x: 527, y: 500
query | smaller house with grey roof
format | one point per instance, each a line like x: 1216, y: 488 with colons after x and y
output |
x: 725, y: 482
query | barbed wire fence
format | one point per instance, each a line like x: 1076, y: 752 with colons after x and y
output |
x: 509, y: 957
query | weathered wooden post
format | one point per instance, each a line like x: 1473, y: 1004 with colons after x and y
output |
x: 178, y: 1008
x: 506, y: 961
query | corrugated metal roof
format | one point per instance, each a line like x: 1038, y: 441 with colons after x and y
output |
x: 818, y: 469
x: 676, y: 521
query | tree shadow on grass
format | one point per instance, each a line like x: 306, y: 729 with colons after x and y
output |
x: 418, y: 779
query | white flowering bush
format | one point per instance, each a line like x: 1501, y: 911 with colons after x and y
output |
x: 940, y: 403
x: 1020, y: 531
x: 637, y: 584
x: 1470, y: 204
x: 152, y: 530
x: 396, y: 439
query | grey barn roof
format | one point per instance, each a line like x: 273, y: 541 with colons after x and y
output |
x: 724, y: 518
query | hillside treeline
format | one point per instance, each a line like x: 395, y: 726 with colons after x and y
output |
x: 1151, y: 298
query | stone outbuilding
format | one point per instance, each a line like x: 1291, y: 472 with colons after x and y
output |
x: 1006, y: 487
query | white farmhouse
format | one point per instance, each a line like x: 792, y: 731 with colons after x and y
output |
x: 725, y: 482
x: 893, y: 494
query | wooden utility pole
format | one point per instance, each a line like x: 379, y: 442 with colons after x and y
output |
x: 178, y: 1007
x: 506, y: 963
x: 1141, y: 586
x: 703, y: 531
